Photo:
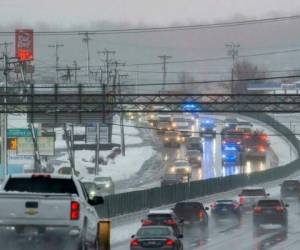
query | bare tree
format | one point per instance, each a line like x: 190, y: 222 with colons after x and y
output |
x: 245, y: 70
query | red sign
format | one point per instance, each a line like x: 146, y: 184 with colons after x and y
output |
x: 24, y: 45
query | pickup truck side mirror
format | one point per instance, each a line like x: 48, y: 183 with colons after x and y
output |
x: 267, y: 194
x: 96, y: 200
x: 132, y: 236
x: 180, y: 236
x: 206, y: 208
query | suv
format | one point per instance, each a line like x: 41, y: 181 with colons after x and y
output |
x: 192, y: 213
x: 290, y: 188
x: 270, y: 211
x: 163, y: 218
x: 249, y: 196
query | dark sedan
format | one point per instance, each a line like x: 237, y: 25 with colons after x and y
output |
x: 156, y: 238
x: 226, y: 209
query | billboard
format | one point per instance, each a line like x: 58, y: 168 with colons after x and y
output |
x: 45, y: 144
x: 24, y: 45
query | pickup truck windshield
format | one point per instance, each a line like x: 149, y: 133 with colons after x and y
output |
x: 41, y: 185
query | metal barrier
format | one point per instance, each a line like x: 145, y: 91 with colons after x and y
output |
x: 125, y: 203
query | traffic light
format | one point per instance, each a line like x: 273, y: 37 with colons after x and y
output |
x: 12, y: 143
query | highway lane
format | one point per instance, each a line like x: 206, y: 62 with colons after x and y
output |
x: 152, y: 171
x: 229, y: 234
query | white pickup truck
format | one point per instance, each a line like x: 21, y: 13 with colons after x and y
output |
x: 55, y: 209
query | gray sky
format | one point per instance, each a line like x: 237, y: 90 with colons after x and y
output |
x: 154, y: 12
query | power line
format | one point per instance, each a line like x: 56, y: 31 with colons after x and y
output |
x: 167, y: 28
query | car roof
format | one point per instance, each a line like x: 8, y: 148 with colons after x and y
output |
x: 252, y: 188
x: 165, y: 211
x: 225, y: 201
x: 55, y: 176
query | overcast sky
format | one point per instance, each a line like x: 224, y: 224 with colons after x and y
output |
x: 155, y: 12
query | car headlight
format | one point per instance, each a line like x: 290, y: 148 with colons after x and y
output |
x: 107, y: 185
x: 239, y: 142
x: 188, y: 170
x: 166, y: 139
x: 178, y: 138
x: 199, y: 158
x: 92, y: 193
x: 174, y: 125
x: 202, y: 129
x: 173, y: 170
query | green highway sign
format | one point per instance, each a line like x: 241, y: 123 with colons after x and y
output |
x: 20, y: 132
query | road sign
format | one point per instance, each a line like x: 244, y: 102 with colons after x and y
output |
x: 12, y: 143
x: 45, y: 145
x: 24, y: 45
x: 91, y: 133
x: 104, y: 135
x: 20, y: 132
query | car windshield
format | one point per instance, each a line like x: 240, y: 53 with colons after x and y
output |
x: 193, y: 152
x: 152, y: 232
x: 41, y: 185
x: 164, y: 119
x: 253, y: 192
x: 291, y: 183
x: 159, y: 217
x: 179, y: 120
x: 181, y: 164
x: 269, y: 203
x: 189, y: 205
x: 102, y: 179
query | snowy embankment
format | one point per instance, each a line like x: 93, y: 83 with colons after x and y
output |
x: 122, y: 167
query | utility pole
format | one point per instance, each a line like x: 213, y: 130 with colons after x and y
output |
x: 123, y: 146
x: 86, y: 39
x: 107, y: 54
x: 56, y: 47
x: 164, y: 59
x: 75, y: 69
x: 233, y: 51
x: 6, y: 45
x: 4, y: 160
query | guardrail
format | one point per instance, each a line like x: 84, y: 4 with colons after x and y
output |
x: 130, y: 202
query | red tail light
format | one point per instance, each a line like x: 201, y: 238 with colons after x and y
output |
x: 279, y: 209
x: 170, y: 242
x: 134, y: 243
x: 242, y: 200
x: 170, y: 222
x: 75, y: 210
x: 258, y: 209
x: 201, y: 215
x: 262, y: 149
x: 147, y: 222
x: 236, y: 206
x: 264, y: 137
